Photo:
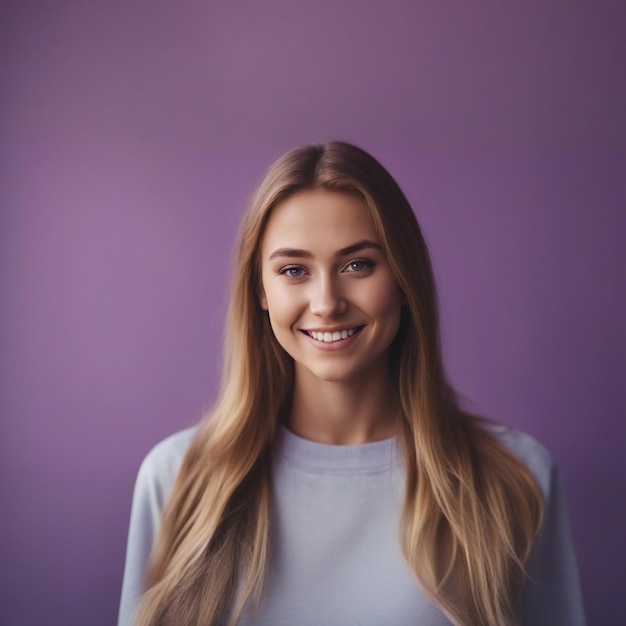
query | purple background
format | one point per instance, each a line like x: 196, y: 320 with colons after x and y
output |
x: 132, y: 135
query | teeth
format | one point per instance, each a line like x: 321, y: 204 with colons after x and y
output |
x: 330, y: 337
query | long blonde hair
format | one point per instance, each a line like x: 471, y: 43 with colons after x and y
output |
x: 471, y: 510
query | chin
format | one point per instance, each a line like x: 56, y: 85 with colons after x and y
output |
x: 334, y: 374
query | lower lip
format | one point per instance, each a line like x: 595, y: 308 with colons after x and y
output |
x: 333, y: 346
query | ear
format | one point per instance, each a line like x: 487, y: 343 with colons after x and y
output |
x: 262, y: 298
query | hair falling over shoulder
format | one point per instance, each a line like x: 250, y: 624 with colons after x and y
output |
x: 471, y: 510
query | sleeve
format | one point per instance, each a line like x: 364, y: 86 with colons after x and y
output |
x: 154, y: 483
x: 553, y: 596
x: 148, y: 500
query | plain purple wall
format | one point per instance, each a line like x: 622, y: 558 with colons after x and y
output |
x: 131, y: 136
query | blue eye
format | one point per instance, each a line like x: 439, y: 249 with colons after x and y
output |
x: 292, y: 271
x: 359, y: 265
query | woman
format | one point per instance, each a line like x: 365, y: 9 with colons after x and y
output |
x: 337, y: 480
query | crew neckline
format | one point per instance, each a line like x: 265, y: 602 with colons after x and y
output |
x: 376, y: 456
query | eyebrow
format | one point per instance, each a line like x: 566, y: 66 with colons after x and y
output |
x: 306, y: 254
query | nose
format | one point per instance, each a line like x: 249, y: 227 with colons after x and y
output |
x: 326, y: 298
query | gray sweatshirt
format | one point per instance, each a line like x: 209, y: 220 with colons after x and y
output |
x: 335, y: 556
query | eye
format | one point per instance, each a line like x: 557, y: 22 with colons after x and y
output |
x: 359, y: 266
x: 292, y: 271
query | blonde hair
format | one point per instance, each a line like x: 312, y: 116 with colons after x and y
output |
x: 471, y: 511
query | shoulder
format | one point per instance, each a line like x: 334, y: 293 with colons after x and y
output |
x: 552, y: 595
x: 530, y: 452
x: 170, y: 451
x: 159, y: 468
x: 155, y: 480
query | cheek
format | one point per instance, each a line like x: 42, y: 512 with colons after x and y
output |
x: 387, y: 307
x: 387, y: 299
x: 280, y: 306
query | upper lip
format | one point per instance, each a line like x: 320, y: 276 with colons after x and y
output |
x: 337, y: 329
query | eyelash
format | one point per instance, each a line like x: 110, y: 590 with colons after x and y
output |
x: 369, y: 265
x: 283, y: 271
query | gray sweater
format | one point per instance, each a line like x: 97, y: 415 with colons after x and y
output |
x: 335, y: 556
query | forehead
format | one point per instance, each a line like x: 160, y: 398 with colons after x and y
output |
x: 318, y: 219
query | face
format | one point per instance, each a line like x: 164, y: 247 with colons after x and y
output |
x: 333, y: 303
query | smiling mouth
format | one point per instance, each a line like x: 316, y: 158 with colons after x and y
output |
x: 332, y: 337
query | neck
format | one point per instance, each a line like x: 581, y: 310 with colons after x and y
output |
x: 342, y: 413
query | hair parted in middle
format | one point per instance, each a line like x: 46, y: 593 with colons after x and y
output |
x: 471, y: 510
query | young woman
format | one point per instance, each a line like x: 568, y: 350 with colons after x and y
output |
x: 337, y: 480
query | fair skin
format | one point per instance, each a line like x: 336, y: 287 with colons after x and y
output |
x: 334, y: 306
